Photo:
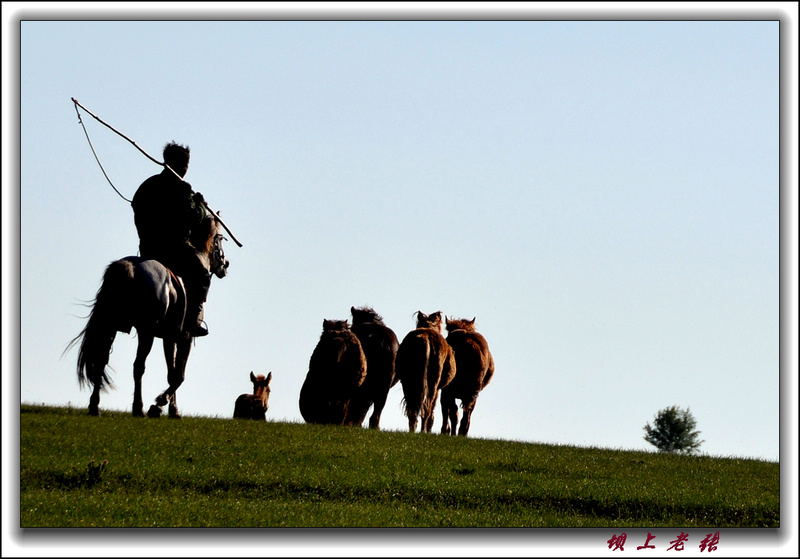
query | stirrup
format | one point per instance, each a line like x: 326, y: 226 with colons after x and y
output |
x: 199, y: 330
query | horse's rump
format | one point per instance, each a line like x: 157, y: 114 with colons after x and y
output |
x: 114, y: 304
x: 412, y: 368
x: 135, y: 292
x: 379, y: 344
x: 475, y: 368
x: 162, y: 298
x: 111, y: 312
x: 339, y: 360
x: 337, y: 368
x: 472, y: 361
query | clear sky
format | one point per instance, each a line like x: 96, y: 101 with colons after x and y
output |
x: 602, y: 196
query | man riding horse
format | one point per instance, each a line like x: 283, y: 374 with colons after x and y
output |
x: 165, y: 211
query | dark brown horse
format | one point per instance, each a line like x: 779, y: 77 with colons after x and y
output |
x: 475, y: 367
x: 255, y: 405
x: 143, y: 294
x: 336, y: 369
x: 425, y: 364
x: 380, y: 345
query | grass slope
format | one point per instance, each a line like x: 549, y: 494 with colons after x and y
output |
x: 120, y: 471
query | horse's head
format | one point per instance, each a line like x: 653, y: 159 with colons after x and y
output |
x: 217, y: 261
x: 454, y: 324
x: 207, y: 239
x: 334, y: 325
x: 365, y: 315
x: 432, y: 321
x: 261, y: 387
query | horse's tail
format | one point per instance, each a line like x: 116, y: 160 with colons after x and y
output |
x: 411, y: 366
x: 106, y: 317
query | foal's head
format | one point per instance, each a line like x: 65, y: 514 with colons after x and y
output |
x: 261, y: 387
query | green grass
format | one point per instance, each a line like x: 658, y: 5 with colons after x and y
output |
x: 119, y: 471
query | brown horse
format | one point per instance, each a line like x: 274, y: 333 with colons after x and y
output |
x: 143, y: 294
x: 475, y: 369
x: 335, y: 371
x: 425, y: 364
x: 255, y: 405
x: 380, y: 345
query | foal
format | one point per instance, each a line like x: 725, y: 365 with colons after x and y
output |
x: 255, y: 405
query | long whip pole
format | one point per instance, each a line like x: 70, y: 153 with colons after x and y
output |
x: 157, y: 162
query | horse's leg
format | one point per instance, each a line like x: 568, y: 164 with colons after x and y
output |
x: 412, y: 422
x: 453, y: 419
x: 431, y: 412
x: 162, y: 399
x: 427, y: 413
x: 173, y: 406
x: 445, y: 415
x: 341, y: 413
x: 469, y: 407
x: 375, y: 418
x: 425, y: 417
x: 142, y: 351
x: 430, y: 399
x: 424, y: 421
x: 377, y: 406
x: 94, y: 400
x: 177, y: 374
x: 429, y: 421
x: 449, y: 410
x: 170, y: 356
x: 412, y: 418
x: 96, y: 366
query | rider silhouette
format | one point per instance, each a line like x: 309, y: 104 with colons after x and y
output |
x: 165, y: 211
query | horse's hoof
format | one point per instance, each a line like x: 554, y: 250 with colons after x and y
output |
x: 175, y: 414
x: 161, y: 400
x: 154, y: 412
x: 94, y: 411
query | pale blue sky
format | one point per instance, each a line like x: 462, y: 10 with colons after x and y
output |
x: 601, y: 196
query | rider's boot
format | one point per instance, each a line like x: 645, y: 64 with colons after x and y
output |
x: 199, y: 329
x: 195, y: 308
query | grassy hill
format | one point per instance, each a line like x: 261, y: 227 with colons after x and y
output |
x: 119, y: 471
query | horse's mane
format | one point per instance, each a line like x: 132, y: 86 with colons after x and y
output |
x: 432, y: 321
x: 334, y: 325
x: 366, y: 314
x: 454, y: 324
x: 202, y: 237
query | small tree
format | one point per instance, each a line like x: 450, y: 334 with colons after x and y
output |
x: 673, y: 431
